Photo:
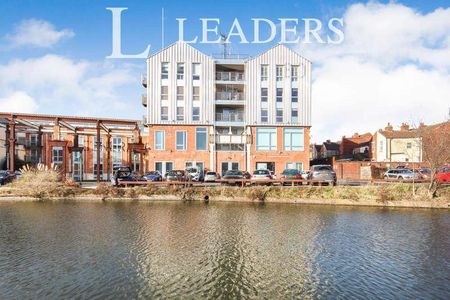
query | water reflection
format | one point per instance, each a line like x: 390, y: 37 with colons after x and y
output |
x: 228, y: 250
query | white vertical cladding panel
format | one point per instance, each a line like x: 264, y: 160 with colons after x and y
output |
x: 279, y: 55
x: 180, y: 52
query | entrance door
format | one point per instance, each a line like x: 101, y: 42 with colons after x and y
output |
x: 77, y: 165
x: 163, y: 167
x: 229, y: 166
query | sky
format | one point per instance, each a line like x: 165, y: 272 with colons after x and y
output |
x: 393, y: 66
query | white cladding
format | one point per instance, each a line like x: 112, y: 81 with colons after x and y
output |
x: 278, y: 56
x: 181, y: 52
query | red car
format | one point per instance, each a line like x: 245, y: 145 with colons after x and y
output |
x: 443, y: 175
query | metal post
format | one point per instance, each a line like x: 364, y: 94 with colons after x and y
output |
x: 12, y: 144
x: 108, y: 155
x: 98, y: 152
x: 39, y: 144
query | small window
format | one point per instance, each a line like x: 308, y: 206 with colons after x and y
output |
x: 264, y: 116
x: 180, y: 71
x: 279, y: 95
x: 264, y: 72
x: 164, y: 92
x: 195, y: 93
x: 164, y: 113
x: 196, y: 113
x: 294, y: 115
x: 180, y: 113
x: 279, y: 115
x: 294, y: 95
x: 164, y: 70
x: 264, y: 95
x: 195, y: 71
x: 159, y: 140
x: 180, y: 92
x: 279, y: 74
x: 180, y: 140
x: 294, y: 73
x: 408, y: 145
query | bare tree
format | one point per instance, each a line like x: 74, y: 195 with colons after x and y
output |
x: 435, y: 142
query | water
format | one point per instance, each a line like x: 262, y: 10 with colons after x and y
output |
x: 227, y: 250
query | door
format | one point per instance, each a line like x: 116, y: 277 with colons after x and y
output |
x: 163, y: 167
x: 229, y: 166
x: 77, y: 165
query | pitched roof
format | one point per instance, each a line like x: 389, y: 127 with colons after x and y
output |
x: 399, y: 134
x: 331, y: 146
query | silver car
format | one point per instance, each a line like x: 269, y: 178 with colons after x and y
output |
x: 401, y: 174
x: 324, y: 173
x: 211, y: 176
x: 262, y: 175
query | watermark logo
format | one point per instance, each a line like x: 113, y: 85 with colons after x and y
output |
x: 286, y: 30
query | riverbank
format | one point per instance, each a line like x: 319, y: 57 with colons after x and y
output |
x: 396, y: 195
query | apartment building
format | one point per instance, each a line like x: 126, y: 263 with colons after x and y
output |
x: 227, y: 113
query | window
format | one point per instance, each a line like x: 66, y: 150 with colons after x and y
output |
x: 201, y: 139
x: 33, y: 140
x: 279, y: 95
x: 293, y: 139
x: 57, y: 155
x: 180, y: 70
x: 180, y: 140
x: 180, y: 93
x: 279, y: 115
x: 164, y: 113
x: 264, y: 95
x: 196, y: 113
x: 264, y: 72
x: 180, y: 113
x: 195, y: 71
x: 266, y: 139
x: 164, y: 70
x: 264, y: 116
x: 294, y: 115
x: 159, y: 140
x: 279, y: 73
x: 294, y: 73
x: 294, y: 95
x: 294, y: 165
x: 164, y: 92
x: 381, y: 146
x: 195, y: 93
x: 116, y: 152
x: 408, y: 145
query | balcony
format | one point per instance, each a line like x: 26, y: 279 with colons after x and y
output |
x: 228, y: 77
x: 225, y: 119
x: 232, y: 98
x: 144, y: 80
x: 231, y: 139
x: 144, y: 100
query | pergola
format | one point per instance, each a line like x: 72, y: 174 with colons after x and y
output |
x: 57, y: 125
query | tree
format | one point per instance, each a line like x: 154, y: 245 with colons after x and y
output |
x: 435, y: 142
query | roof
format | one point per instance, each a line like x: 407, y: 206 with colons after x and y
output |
x: 399, y: 134
x: 331, y: 146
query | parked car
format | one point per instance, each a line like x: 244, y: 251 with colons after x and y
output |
x: 176, y: 175
x: 400, y: 174
x: 305, y: 174
x: 323, y: 172
x: 152, y: 176
x: 274, y: 176
x: 233, y: 174
x: 246, y: 175
x: 211, y: 177
x: 424, y: 173
x: 443, y: 175
x: 5, y: 177
x: 122, y: 174
x: 195, y: 174
x: 262, y: 175
x: 291, y: 174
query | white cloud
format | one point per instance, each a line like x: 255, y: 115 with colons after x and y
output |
x: 37, y: 33
x: 19, y: 102
x: 61, y: 85
x: 394, y: 65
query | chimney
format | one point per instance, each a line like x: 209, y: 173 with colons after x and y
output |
x: 404, y: 127
x: 328, y: 141
x: 389, y: 127
x: 355, y: 135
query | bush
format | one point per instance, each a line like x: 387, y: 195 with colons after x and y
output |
x: 39, y: 182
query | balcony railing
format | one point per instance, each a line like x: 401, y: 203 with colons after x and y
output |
x: 230, y: 117
x: 230, y: 96
x: 144, y: 80
x: 144, y: 100
x: 231, y: 139
x: 229, y: 76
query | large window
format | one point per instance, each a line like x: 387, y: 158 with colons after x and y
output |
x: 159, y: 140
x: 201, y: 139
x: 264, y: 72
x: 180, y: 71
x: 293, y: 139
x: 116, y: 152
x: 164, y: 70
x: 279, y: 73
x: 266, y: 139
x: 195, y: 71
x: 180, y: 140
x: 57, y: 155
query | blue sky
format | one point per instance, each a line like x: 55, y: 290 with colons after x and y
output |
x: 80, y: 35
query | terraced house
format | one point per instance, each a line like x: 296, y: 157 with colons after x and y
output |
x: 228, y: 112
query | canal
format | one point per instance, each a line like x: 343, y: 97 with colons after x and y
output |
x: 222, y: 250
